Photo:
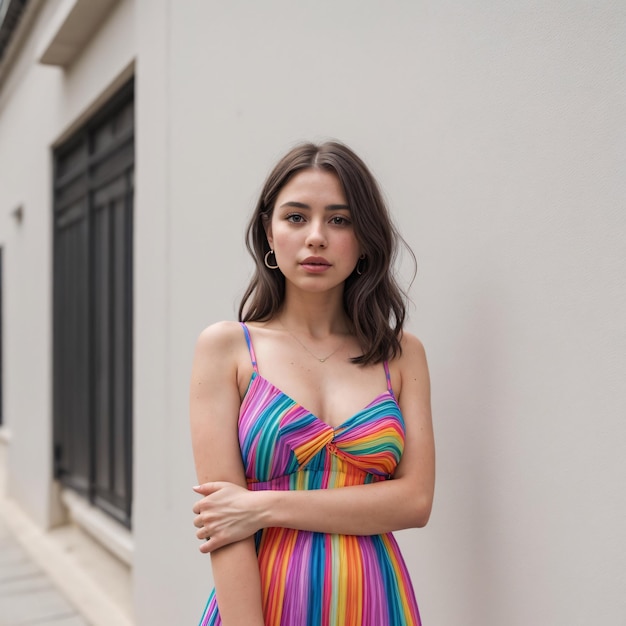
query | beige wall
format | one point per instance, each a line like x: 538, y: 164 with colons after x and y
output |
x: 497, y: 134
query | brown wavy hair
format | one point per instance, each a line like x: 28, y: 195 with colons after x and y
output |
x: 373, y: 301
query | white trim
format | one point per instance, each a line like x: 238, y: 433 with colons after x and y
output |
x: 93, y: 107
x: 70, y: 29
x: 98, y: 525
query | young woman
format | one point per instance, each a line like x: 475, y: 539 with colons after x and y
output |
x: 310, y: 418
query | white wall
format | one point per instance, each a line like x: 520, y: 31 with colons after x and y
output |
x: 497, y: 132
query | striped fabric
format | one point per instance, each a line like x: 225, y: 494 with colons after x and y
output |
x: 316, y: 579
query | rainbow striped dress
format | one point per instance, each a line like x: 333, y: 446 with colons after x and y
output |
x: 317, y: 579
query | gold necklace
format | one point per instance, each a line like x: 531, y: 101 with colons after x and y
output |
x: 311, y: 353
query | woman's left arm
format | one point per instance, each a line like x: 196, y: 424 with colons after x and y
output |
x: 403, y: 502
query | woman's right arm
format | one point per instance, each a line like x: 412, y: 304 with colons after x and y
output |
x: 214, y: 408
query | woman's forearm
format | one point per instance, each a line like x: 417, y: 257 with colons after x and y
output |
x: 238, y: 584
x: 356, y: 510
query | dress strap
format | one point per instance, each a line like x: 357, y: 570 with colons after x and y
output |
x: 250, y: 347
x: 388, y: 376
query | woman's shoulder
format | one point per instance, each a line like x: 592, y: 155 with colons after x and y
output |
x: 409, y: 370
x: 220, y: 336
x: 412, y: 347
x: 412, y: 357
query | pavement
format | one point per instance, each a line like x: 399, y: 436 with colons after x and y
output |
x: 27, y: 595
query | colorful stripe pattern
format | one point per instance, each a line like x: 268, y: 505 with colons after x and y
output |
x: 316, y: 579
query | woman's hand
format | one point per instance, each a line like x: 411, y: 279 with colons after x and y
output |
x: 226, y: 514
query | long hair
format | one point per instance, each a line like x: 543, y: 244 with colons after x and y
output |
x: 372, y: 300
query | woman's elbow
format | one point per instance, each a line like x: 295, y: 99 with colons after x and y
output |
x: 420, y: 512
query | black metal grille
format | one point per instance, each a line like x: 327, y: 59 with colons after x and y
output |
x: 93, y: 225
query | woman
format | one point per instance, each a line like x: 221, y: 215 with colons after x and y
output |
x: 302, y: 413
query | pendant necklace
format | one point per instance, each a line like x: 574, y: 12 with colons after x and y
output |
x: 321, y: 360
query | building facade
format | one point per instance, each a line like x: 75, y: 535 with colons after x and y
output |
x: 134, y: 135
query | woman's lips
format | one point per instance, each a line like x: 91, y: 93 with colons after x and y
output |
x: 315, y: 264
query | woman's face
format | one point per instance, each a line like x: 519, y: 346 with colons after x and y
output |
x: 311, y: 232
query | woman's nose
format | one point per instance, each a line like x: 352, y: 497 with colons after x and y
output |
x: 316, y: 235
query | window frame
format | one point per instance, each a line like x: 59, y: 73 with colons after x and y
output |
x: 82, y: 172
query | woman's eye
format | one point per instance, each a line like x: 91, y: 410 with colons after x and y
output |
x: 295, y: 218
x: 339, y: 220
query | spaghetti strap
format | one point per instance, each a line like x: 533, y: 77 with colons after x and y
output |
x: 250, y: 347
x: 388, y: 376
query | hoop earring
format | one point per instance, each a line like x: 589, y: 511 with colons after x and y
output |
x: 360, y: 266
x: 271, y: 267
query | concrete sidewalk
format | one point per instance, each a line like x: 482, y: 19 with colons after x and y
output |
x: 56, y: 577
x: 27, y: 595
